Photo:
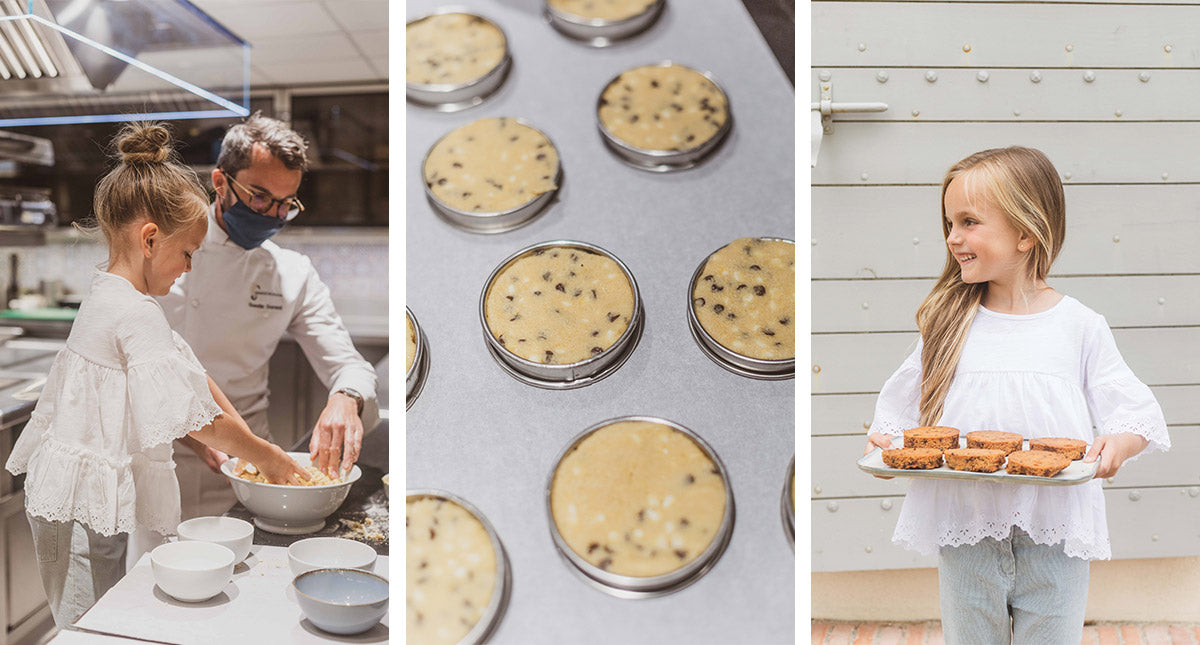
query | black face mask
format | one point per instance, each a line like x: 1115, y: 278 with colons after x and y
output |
x: 247, y: 228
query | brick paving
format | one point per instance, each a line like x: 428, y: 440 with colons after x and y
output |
x: 829, y: 632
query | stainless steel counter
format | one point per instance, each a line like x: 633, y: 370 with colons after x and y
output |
x: 476, y: 432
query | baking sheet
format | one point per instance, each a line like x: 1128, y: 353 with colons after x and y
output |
x: 477, y: 432
x: 1077, y: 473
x: 258, y: 606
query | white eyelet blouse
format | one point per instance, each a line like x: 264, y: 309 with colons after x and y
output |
x: 1055, y: 373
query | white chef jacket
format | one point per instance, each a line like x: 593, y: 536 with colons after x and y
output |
x: 236, y: 304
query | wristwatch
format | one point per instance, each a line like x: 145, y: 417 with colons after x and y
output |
x: 352, y: 393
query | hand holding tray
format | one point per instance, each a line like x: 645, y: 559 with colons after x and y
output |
x: 1078, y: 472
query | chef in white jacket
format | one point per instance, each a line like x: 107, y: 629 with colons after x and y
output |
x: 245, y: 292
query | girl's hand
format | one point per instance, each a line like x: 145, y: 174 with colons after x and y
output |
x: 279, y: 468
x: 878, y: 440
x: 1113, y: 450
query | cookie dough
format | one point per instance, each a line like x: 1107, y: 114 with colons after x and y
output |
x: 610, y: 10
x: 451, y: 49
x: 491, y: 166
x: 745, y: 298
x: 663, y: 108
x: 410, y: 350
x: 637, y: 498
x: 450, y: 572
x: 559, y: 305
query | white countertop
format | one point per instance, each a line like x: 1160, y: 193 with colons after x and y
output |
x: 258, y: 606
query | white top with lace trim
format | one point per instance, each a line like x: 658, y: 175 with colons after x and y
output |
x: 1056, y: 373
x: 97, y: 448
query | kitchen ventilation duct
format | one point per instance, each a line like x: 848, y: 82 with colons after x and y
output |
x: 86, y: 61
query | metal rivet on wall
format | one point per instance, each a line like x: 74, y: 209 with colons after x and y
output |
x: 1116, y: 239
x: 1089, y: 76
x: 866, y: 425
x: 916, y: 113
x: 816, y: 369
x: 869, y: 549
x: 1067, y: 176
x: 1167, y: 48
x: 1016, y: 113
x: 1118, y: 113
x: 825, y: 75
x: 863, y: 176
x: 1193, y: 491
x: 1070, y: 48
x: 967, y: 47
x: 814, y: 241
x: 982, y: 76
x: 931, y: 76
x: 832, y: 506
x: 881, y: 76
x: 866, y: 305
x: 1035, y: 76
x: 1165, y: 175
x: 1162, y: 301
x: 886, y: 504
x: 817, y: 490
x: 862, y: 47
x: 1135, y: 495
x: 1144, y: 77
x: 1154, y: 538
x: 916, y: 241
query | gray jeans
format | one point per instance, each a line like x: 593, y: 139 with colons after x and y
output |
x: 996, y: 592
x: 77, y: 565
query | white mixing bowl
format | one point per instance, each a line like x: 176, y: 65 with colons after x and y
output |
x: 330, y: 553
x: 290, y: 510
x: 191, y: 571
x: 229, y: 532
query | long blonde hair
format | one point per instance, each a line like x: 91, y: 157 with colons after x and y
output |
x: 1023, y: 184
x: 149, y: 181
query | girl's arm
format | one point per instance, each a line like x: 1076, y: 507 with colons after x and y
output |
x: 230, y: 434
x: 1113, y: 450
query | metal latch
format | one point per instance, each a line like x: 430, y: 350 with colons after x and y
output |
x: 826, y: 108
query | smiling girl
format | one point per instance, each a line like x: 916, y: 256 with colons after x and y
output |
x: 97, y: 448
x: 1002, y: 350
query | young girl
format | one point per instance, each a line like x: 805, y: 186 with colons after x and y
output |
x: 1002, y: 350
x: 97, y: 448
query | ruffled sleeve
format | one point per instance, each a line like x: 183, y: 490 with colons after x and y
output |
x: 898, y: 406
x: 1117, y: 400
x: 167, y: 389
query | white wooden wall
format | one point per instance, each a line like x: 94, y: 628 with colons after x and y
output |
x: 1116, y: 107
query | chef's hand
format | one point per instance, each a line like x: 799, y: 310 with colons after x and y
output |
x: 210, y: 456
x: 1113, y: 450
x: 279, y: 468
x: 337, y: 437
x: 878, y: 440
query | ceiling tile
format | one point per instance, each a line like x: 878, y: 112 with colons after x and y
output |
x: 291, y: 50
x: 349, y: 70
x: 374, y: 44
x: 359, y: 14
x: 255, y: 21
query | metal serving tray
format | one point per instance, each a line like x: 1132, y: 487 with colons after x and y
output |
x: 492, y: 439
x: 1077, y: 473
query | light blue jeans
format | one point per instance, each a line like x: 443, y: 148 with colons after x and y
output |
x: 996, y: 592
x: 77, y: 565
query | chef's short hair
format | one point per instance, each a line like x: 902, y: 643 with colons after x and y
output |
x: 284, y: 143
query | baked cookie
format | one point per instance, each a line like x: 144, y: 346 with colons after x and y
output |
x: 995, y: 440
x: 940, y: 437
x: 1070, y: 448
x: 979, y: 460
x: 665, y: 108
x: 451, y: 49
x: 745, y: 298
x: 1036, y: 462
x: 637, y: 498
x: 491, y: 166
x: 607, y: 10
x: 450, y: 570
x: 559, y: 305
x: 913, y: 458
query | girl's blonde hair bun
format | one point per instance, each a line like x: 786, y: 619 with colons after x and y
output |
x: 144, y: 143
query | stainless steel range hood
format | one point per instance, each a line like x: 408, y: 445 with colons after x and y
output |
x: 73, y: 61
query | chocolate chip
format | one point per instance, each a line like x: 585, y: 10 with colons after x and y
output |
x: 755, y: 267
x: 456, y: 165
x: 515, y: 318
x: 546, y: 276
x: 508, y: 297
x: 424, y: 563
x: 690, y: 138
x: 592, y: 547
x: 740, y: 287
x: 769, y: 332
x: 785, y: 320
x: 683, y: 521
x: 698, y: 302
x: 690, y: 479
x: 633, y: 119
x: 549, y: 355
x: 593, y: 294
x: 714, y: 470
x: 596, y: 350
x: 608, y: 550
x: 501, y: 339
x: 541, y: 156
x: 605, y: 563
x: 681, y: 553
x: 653, y: 83
x: 708, y: 278
x: 603, y: 101
x: 578, y: 292
x: 731, y: 315
x: 432, y: 534
x: 560, y: 287
x: 612, y: 316
x: 759, y: 290
x: 537, y: 293
x: 717, y: 287
x: 441, y: 182
x: 642, y: 515
x: 596, y: 333
x: 718, y: 308
x: 539, y: 251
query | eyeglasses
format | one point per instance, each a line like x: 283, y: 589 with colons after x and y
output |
x: 264, y: 204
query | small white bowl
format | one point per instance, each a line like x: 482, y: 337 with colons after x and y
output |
x: 192, y: 571
x: 229, y: 532
x: 290, y: 510
x: 342, y: 601
x: 330, y: 553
